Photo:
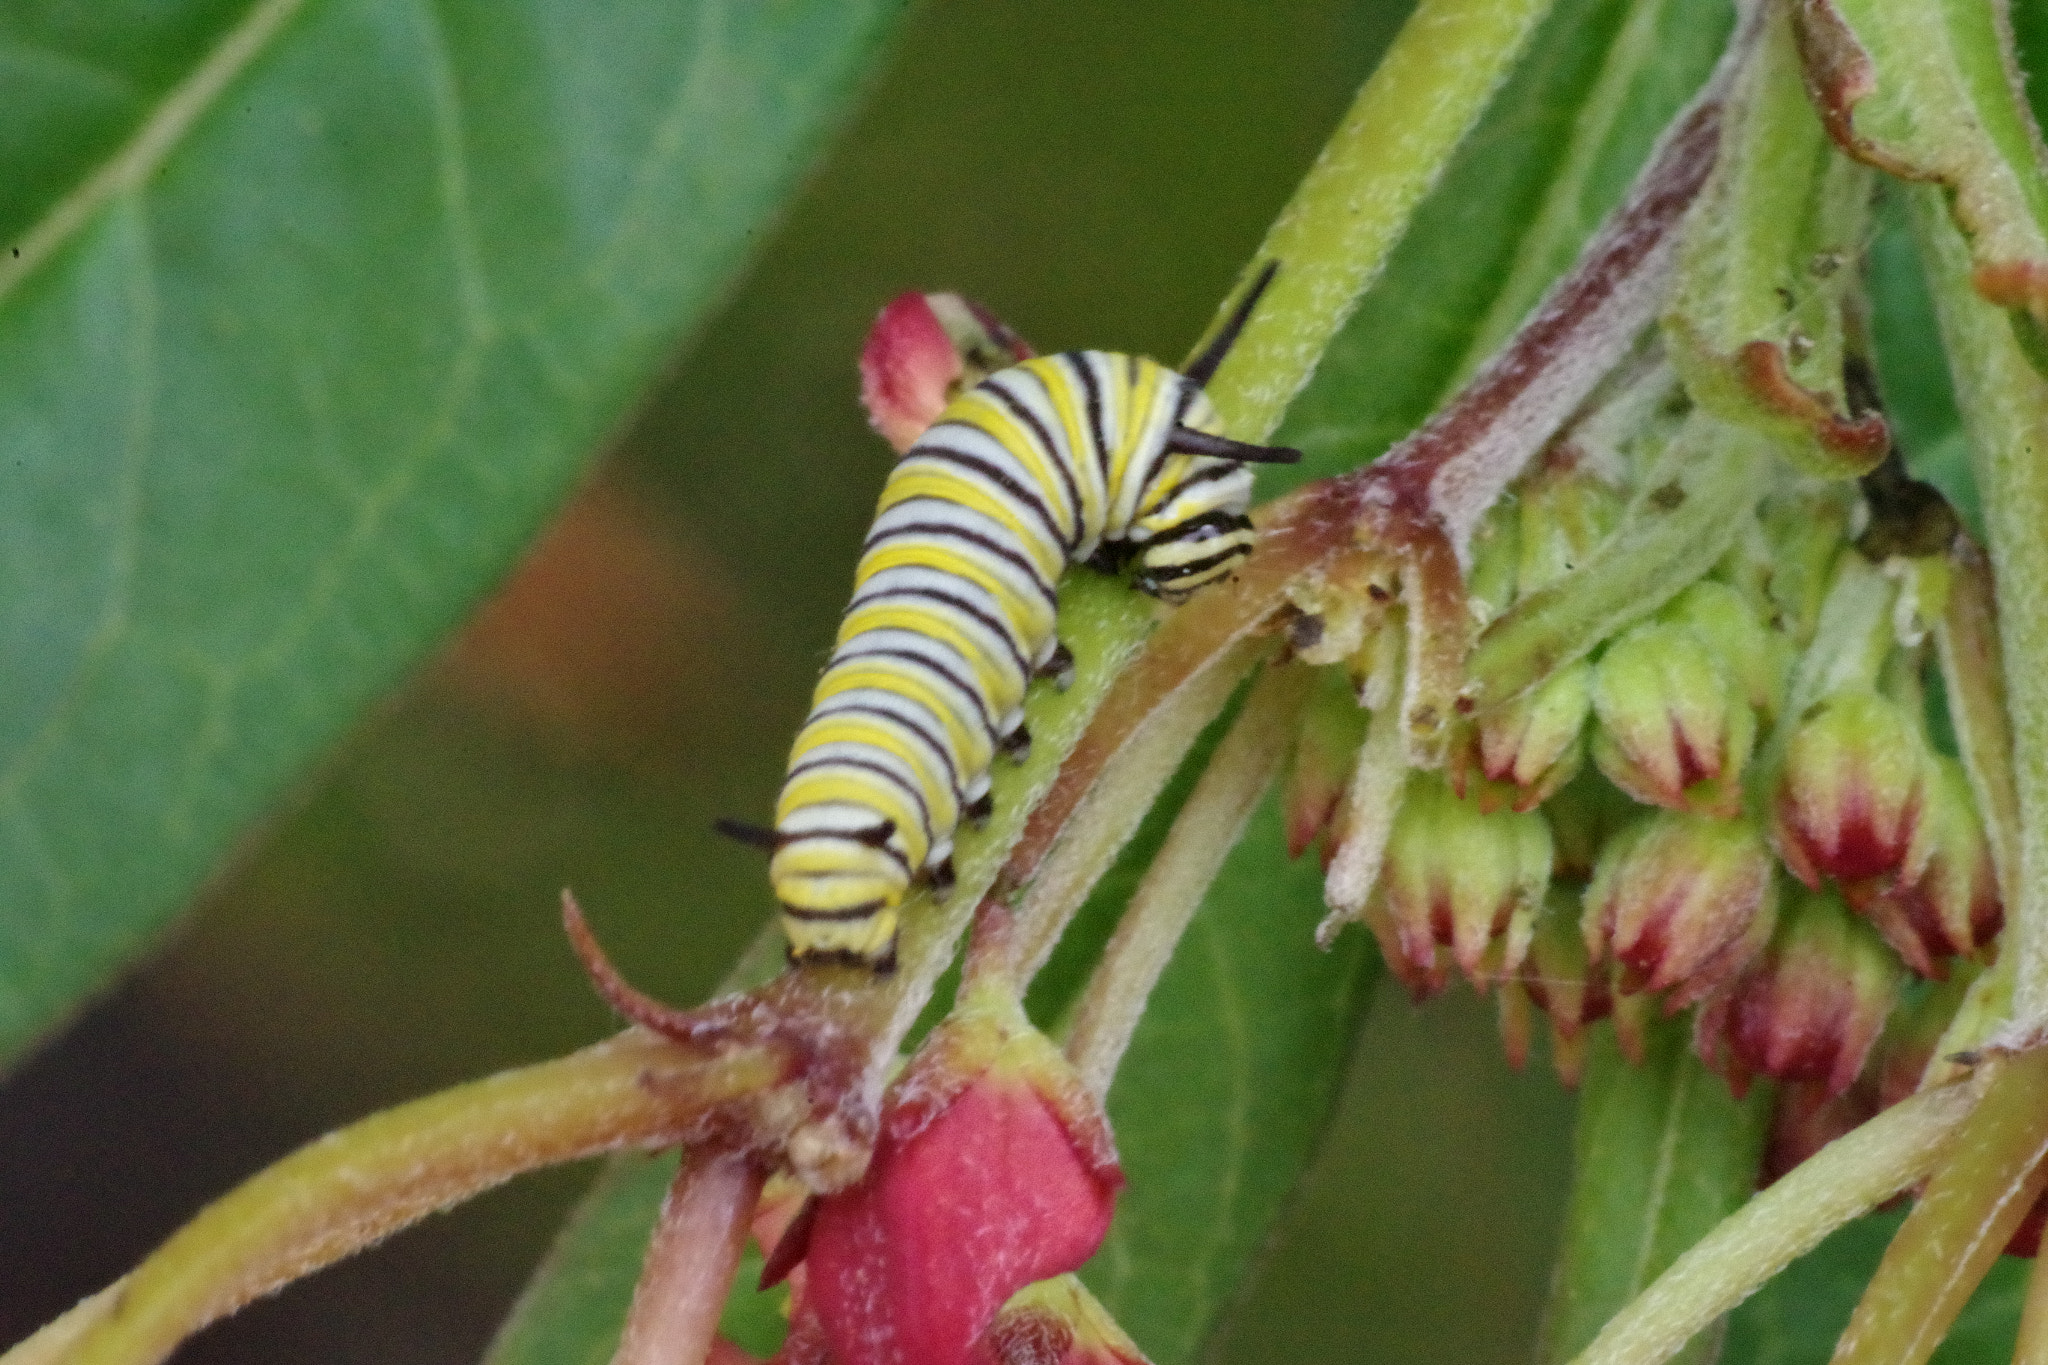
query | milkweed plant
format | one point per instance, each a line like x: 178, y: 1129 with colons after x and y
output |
x: 1655, y: 686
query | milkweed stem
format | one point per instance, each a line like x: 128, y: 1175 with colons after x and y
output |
x: 690, y: 1262
x: 352, y: 1188
x: 1202, y: 836
x: 1990, y: 1176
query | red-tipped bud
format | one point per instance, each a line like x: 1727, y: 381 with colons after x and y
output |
x: 1057, y: 1322
x: 1456, y: 877
x: 994, y: 1169
x: 1811, y: 1007
x: 1517, y: 756
x: 1674, y: 731
x: 921, y: 352
x: 1848, y: 802
x: 1944, y: 901
x: 1681, y: 902
x: 1332, y: 728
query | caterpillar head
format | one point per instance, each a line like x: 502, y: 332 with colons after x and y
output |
x: 1194, y: 530
x: 1194, y: 554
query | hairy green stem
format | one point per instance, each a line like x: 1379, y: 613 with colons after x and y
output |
x: 690, y: 1262
x: 2004, y: 403
x: 356, y: 1186
x: 1334, y: 237
x: 1991, y: 1176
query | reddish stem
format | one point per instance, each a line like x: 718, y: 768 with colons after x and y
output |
x: 690, y: 1263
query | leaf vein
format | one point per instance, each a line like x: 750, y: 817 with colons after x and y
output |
x: 451, y: 158
x: 131, y: 165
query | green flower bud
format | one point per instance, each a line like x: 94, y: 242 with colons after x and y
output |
x: 1757, y: 658
x: 1332, y: 728
x: 1674, y: 729
x: 1849, y: 797
x: 1518, y: 755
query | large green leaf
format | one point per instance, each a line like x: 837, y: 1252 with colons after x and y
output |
x: 313, y: 312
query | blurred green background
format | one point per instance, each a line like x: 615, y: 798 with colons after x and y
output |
x: 1097, y: 173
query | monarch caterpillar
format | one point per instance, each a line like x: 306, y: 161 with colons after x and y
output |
x: 1086, y: 456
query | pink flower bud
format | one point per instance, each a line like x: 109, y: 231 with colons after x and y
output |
x: 1456, y: 877
x: 994, y: 1169
x: 1674, y: 729
x: 1681, y: 902
x: 1849, y: 799
x: 1944, y: 900
x: 921, y: 352
x: 1056, y: 1322
x: 1811, y: 1007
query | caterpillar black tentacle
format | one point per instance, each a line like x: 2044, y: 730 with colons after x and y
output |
x: 1086, y: 457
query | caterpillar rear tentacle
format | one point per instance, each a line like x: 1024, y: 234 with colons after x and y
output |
x: 1086, y: 457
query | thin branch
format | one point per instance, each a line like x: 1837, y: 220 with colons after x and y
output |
x: 1989, y: 1178
x: 1207, y: 828
x: 690, y: 1263
x: 1972, y: 671
x: 1336, y: 233
x: 2031, y: 1346
x: 1116, y: 803
x: 54, y: 1341
x: 1370, y: 804
x: 2004, y: 402
x: 358, y: 1185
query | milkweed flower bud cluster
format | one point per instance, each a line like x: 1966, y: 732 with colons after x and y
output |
x: 1695, y: 766
x: 1767, y: 834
